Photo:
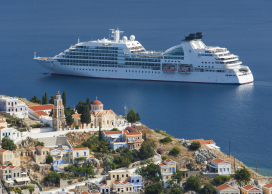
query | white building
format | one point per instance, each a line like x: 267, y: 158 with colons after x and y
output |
x: 220, y: 167
x: 13, y: 107
x: 10, y: 133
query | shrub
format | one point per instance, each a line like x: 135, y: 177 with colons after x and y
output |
x: 242, y: 175
x: 117, y: 150
x: 114, y: 129
x: 175, y: 151
x: 166, y: 140
x: 69, y: 182
x: 131, y: 129
x: 208, y: 189
x: 113, y: 151
x: 160, y: 150
x: 193, y: 183
x: 99, y: 156
x: 221, y: 179
x: 146, y: 150
x: 77, y: 127
x: 157, y: 130
x: 164, y: 157
x: 195, y: 145
x: 80, y: 179
x: 39, y: 144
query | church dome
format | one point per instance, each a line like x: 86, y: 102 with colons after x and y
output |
x: 97, y: 102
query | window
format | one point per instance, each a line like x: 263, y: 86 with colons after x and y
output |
x: 138, y: 137
x: 122, y: 175
x: 127, y: 175
x: 63, y: 155
x: 138, y: 145
x: 224, y: 169
x: 14, y: 175
x: 66, y: 155
x: 77, y: 154
x: 85, y: 154
x: 220, y: 169
x: 113, y: 176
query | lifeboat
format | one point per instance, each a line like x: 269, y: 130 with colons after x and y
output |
x: 168, y: 71
x: 184, y: 71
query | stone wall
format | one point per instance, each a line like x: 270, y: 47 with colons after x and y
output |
x: 54, y: 141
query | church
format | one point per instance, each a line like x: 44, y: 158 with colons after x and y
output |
x: 58, y: 117
x: 99, y: 117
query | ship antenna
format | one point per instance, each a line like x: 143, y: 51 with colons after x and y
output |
x: 78, y: 40
x: 34, y: 54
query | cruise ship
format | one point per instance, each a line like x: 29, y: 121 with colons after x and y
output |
x: 123, y: 58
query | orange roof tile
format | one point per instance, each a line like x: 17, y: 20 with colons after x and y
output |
x: 116, y: 182
x: 41, y: 113
x: 2, y: 128
x: 168, y: 160
x: 248, y: 187
x: 76, y: 115
x: 42, y: 107
x: 204, y: 142
x: 125, y: 182
x: 85, y: 148
x: 94, y: 192
x: 102, y: 184
x: 162, y: 164
x: 32, y: 148
x: 269, y: 185
x: 14, y: 152
x: 112, y: 132
x: 3, y: 150
x: 2, y: 167
x: 39, y: 147
x: 2, y: 121
x: 85, y: 192
x: 224, y: 186
x: 60, y: 149
x: 51, y: 149
x: 218, y: 160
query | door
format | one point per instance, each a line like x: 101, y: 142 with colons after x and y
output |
x: 117, y: 176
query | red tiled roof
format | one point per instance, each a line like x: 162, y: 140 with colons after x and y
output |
x: 85, y: 148
x: 162, y: 164
x: 32, y: 148
x: 77, y: 115
x: 116, y: 182
x: 85, y: 192
x: 218, y: 160
x: 125, y: 182
x: 112, y: 132
x: 60, y: 149
x: 168, y: 160
x: 2, y: 167
x: 2, y: 121
x: 204, y: 142
x: 248, y: 187
x: 40, y: 147
x: 224, y: 186
x: 2, y: 128
x: 101, y: 185
x: 94, y: 192
x: 3, y: 150
x: 41, y: 113
x: 269, y: 185
x: 14, y: 152
x: 97, y: 102
x: 42, y: 107
x: 51, y: 149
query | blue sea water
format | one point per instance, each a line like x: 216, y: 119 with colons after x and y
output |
x: 240, y: 114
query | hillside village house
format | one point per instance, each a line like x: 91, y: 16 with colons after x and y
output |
x: 227, y: 189
x: 7, y: 156
x: 3, y: 123
x: 13, y: 107
x: 39, y: 153
x: 167, y: 169
x: 11, y: 173
x: 103, y: 188
x: 40, y: 109
x: 267, y: 189
x: 99, y: 117
x: 250, y: 189
x: 219, y: 166
x: 122, y: 181
x: 209, y: 143
x: 10, y: 133
x: 117, y: 139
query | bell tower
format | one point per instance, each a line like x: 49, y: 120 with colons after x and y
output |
x: 58, y: 118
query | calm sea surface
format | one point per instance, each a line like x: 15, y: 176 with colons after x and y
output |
x: 240, y: 114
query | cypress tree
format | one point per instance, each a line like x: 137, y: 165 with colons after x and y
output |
x: 64, y: 99
x: 100, y: 133
x: 45, y: 98
x: 88, y: 102
x: 52, y: 99
x: 85, y: 116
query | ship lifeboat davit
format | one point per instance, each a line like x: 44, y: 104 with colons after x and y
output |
x: 168, y: 71
x: 186, y: 71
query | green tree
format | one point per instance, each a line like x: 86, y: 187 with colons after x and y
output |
x: 43, y: 100
x: 195, y: 145
x: 146, y: 151
x: 176, y: 189
x: 178, y: 175
x: 80, y: 106
x: 166, y: 140
x: 39, y: 144
x: 175, y: 151
x: 8, y: 144
x: 100, y: 133
x: 85, y: 116
x: 208, y: 189
x: 10, y: 164
x: 52, y: 99
x: 88, y: 102
x: 51, y: 112
x: 193, y: 183
x: 49, y: 159
x: 64, y: 99
x: 220, y: 179
x: 53, y: 177
x: 69, y: 120
x: 35, y: 100
x: 132, y: 116
x: 114, y: 129
x: 242, y: 175
x: 151, y: 169
x: 46, y: 98
x: 164, y: 157
x: 154, y: 188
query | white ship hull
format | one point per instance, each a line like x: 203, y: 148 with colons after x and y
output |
x: 143, y: 74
